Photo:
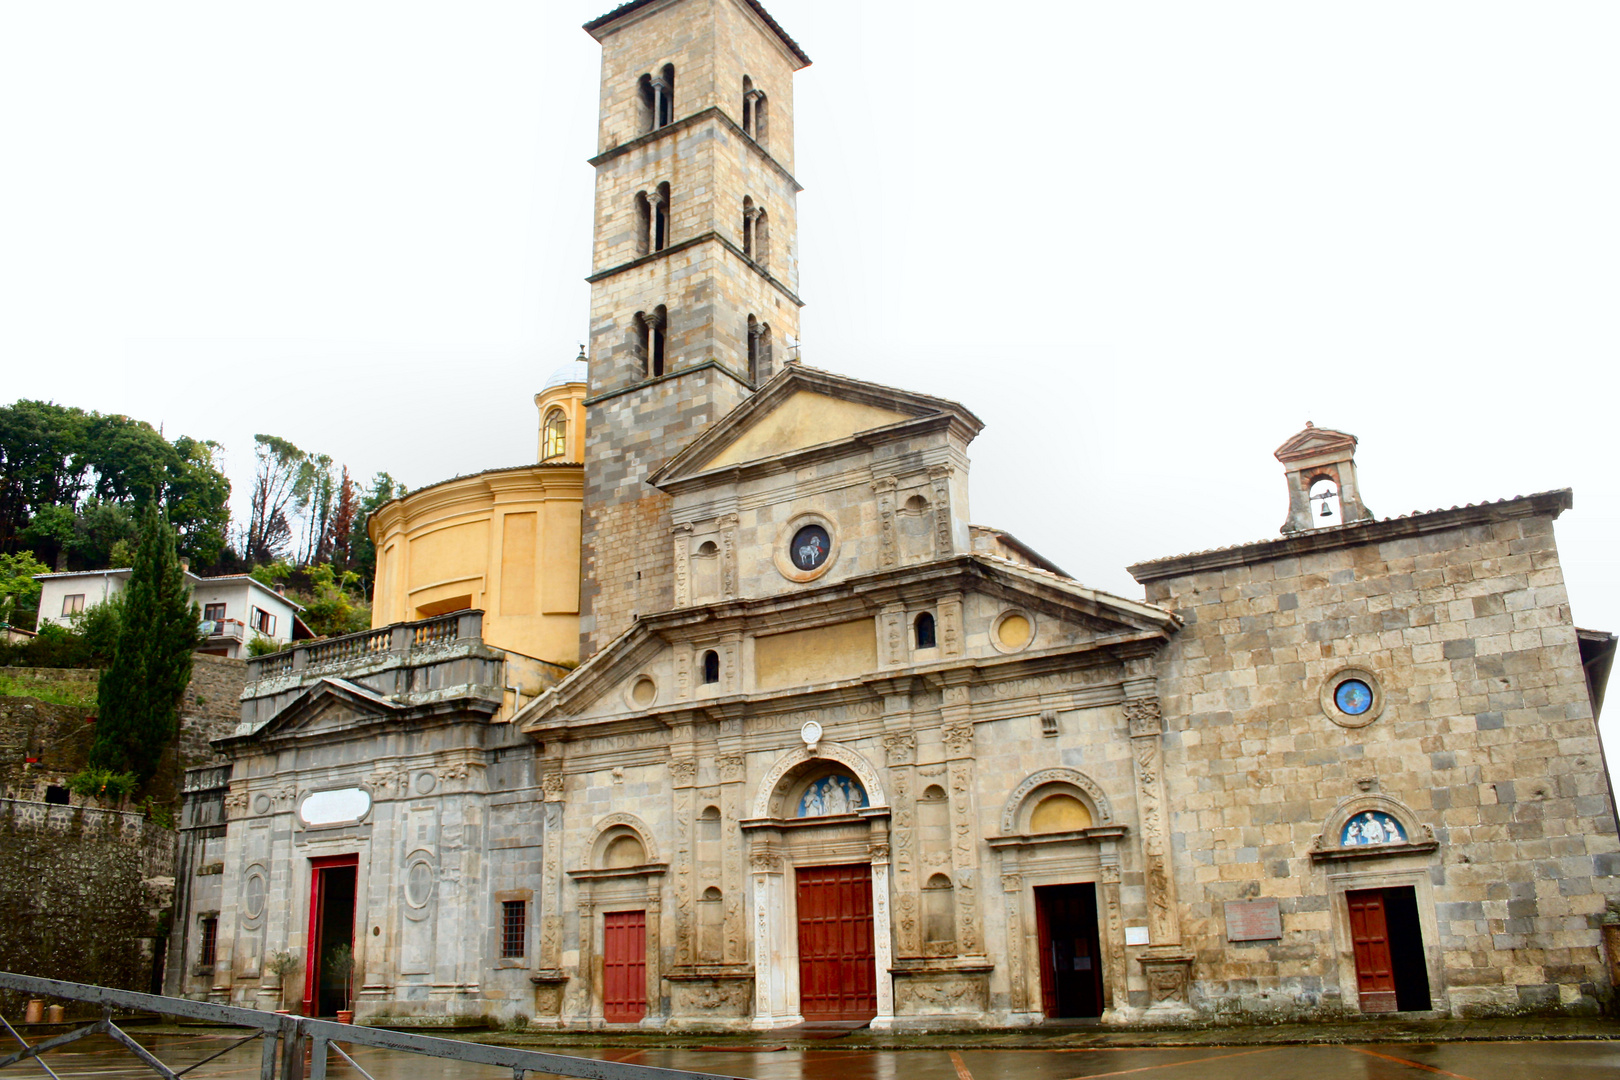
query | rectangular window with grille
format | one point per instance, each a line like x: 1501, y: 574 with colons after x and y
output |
x: 210, y: 942
x: 514, y: 927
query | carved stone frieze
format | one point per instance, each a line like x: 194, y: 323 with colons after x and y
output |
x: 958, y: 739
x: 1142, y: 714
x: 683, y: 772
x: 900, y: 748
x: 733, y: 768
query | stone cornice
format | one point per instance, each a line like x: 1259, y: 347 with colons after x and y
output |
x: 1546, y: 503
x: 476, y: 493
x: 690, y: 369
x: 713, y: 112
x: 702, y: 238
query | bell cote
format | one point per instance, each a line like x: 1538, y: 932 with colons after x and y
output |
x: 1320, y: 464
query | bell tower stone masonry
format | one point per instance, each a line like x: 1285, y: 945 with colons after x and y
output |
x: 694, y: 282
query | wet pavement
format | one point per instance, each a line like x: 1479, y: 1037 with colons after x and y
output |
x: 1567, y: 1059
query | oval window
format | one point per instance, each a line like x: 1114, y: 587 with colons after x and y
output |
x: 418, y: 884
x: 253, y: 895
x: 335, y: 807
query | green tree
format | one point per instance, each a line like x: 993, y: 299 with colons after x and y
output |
x: 42, y: 462
x: 331, y: 609
x: 198, y: 498
x: 19, y: 592
x: 139, y: 696
x: 362, y: 552
x: 282, y: 478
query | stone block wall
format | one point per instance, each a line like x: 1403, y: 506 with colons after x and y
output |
x: 1486, y: 736
x: 211, y: 707
x: 84, y: 892
x: 626, y: 561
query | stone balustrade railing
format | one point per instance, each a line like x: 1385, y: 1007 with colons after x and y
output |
x: 398, y: 639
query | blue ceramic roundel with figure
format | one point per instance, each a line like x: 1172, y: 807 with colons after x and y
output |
x: 1372, y: 827
x: 832, y: 795
x: 1353, y: 697
x: 811, y: 546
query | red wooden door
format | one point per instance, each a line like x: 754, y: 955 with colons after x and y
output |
x: 624, y: 966
x: 317, y: 939
x: 837, y: 963
x: 1369, y: 931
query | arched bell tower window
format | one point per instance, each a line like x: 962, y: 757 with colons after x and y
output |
x: 753, y: 111
x: 556, y: 435
x: 655, y: 99
x: 666, y: 98
x: 750, y: 211
x: 1325, y: 508
x: 711, y: 667
x: 652, y: 219
x: 923, y: 629
x: 649, y: 330
x: 760, y: 361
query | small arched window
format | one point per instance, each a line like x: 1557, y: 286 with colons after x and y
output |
x: 762, y: 238
x: 711, y: 667
x: 923, y: 629
x: 660, y: 218
x: 665, y: 88
x: 748, y: 214
x: 555, y: 440
x: 748, y: 106
x: 649, y: 330
x: 761, y: 114
x: 646, y: 104
x: 643, y: 224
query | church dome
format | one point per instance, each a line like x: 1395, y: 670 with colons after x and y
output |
x: 575, y: 371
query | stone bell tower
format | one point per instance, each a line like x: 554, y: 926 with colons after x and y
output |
x: 1321, y: 456
x: 694, y: 282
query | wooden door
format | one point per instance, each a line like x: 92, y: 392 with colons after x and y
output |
x: 624, y: 966
x: 331, y: 923
x: 1369, y: 931
x: 837, y: 963
x: 1071, y: 950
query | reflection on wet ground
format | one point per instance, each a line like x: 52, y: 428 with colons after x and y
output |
x: 101, y: 1058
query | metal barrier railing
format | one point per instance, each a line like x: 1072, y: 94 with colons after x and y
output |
x: 294, y: 1034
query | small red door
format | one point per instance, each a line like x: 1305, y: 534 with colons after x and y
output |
x: 1369, y: 931
x: 624, y: 966
x: 837, y: 962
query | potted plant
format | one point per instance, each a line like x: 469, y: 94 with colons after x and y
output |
x: 340, y: 967
x: 280, y: 964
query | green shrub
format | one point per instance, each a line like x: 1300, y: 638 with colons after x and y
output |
x: 104, y: 784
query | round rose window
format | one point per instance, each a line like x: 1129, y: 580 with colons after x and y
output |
x: 1353, y: 697
x: 810, y: 548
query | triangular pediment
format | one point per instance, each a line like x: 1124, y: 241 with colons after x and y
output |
x: 805, y: 418
x: 325, y: 707
x: 802, y: 409
x: 1314, y: 442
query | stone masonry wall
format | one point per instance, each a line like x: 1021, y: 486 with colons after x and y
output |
x: 626, y: 552
x: 1486, y: 735
x: 83, y: 891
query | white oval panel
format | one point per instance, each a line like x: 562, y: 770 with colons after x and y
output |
x: 332, y: 807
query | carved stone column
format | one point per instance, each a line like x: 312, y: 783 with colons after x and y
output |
x: 681, y: 655
x: 940, y: 477
x: 901, y: 748
x: 683, y: 774
x: 882, y: 928
x: 1114, y: 946
x: 950, y: 625
x: 957, y: 733
x: 728, y: 556
x: 1012, y: 897
x: 733, y: 773
x: 683, y: 563
x: 1166, y: 963
x: 770, y: 921
x: 892, y: 650
x: 549, y: 979
x: 888, y: 539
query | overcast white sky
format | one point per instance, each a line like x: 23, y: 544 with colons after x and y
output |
x: 1145, y: 242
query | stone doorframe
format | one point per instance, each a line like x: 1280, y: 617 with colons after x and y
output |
x: 1386, y: 877
x: 621, y: 888
x: 773, y: 856
x: 1087, y: 856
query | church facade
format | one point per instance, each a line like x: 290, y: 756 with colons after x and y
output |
x: 827, y: 751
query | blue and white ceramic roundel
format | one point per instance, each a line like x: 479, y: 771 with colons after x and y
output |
x: 1372, y: 827
x: 1353, y: 697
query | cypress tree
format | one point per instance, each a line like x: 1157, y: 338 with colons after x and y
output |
x: 139, y: 695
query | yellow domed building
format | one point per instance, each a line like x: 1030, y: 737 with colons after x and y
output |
x: 504, y: 541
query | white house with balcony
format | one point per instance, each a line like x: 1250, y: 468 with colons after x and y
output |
x: 235, y: 607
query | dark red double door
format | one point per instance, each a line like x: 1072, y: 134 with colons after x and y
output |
x: 624, y: 966
x: 837, y: 961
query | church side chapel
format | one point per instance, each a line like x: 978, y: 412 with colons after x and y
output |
x: 725, y: 714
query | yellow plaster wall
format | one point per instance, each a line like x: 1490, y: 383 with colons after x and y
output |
x: 805, y: 419
x: 507, y: 541
x: 821, y: 654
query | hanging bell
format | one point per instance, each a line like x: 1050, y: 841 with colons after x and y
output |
x: 1326, y: 511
